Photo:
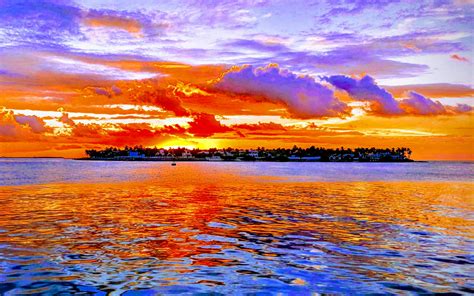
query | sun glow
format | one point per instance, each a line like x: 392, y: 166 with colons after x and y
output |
x: 198, y: 143
x: 177, y: 143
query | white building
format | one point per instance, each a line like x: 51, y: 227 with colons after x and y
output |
x: 253, y: 153
x: 186, y: 155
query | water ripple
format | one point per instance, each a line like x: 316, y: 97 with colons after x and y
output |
x: 226, y: 234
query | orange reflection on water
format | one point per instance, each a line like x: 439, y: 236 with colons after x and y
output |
x: 186, y: 221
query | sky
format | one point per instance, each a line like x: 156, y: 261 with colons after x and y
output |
x: 88, y: 74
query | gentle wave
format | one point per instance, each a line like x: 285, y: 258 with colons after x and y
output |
x: 232, y: 229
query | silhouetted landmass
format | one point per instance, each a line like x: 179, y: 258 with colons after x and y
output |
x: 260, y: 154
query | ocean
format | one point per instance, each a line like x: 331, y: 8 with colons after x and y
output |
x: 128, y: 228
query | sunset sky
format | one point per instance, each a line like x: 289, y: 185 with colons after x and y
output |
x: 78, y: 75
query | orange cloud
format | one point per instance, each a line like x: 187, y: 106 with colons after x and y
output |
x: 205, y: 125
x: 459, y: 58
x: 91, y: 131
x: 260, y: 126
x: 119, y: 134
x: 66, y: 120
x: 163, y: 98
x: 436, y: 90
x: 174, y: 129
x: 130, y: 25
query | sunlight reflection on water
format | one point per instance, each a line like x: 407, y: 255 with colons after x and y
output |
x: 231, y: 228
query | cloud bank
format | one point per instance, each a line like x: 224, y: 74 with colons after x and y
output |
x: 383, y: 103
x: 302, y: 95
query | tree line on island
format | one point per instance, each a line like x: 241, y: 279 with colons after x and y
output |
x: 260, y: 154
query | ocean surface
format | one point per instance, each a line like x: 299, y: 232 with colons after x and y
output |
x: 131, y: 228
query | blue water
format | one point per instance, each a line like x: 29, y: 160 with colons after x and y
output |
x: 147, y: 228
x: 22, y: 171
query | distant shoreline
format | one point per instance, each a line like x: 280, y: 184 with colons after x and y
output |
x: 58, y: 157
x: 295, y: 154
x: 225, y: 160
x: 88, y: 159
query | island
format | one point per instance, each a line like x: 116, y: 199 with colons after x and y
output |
x: 296, y: 154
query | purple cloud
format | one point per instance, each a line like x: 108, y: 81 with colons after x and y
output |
x: 390, y: 14
x: 116, y: 90
x: 36, y: 124
x: 351, y: 53
x: 256, y: 45
x: 102, y: 92
x: 303, y: 96
x: 463, y: 108
x: 229, y: 14
x: 383, y: 102
x: 418, y: 104
x: 39, y: 22
x: 366, y: 89
x: 49, y: 24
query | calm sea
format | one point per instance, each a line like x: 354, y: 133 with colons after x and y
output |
x: 95, y: 227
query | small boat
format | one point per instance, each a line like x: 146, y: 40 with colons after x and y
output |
x: 173, y: 163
